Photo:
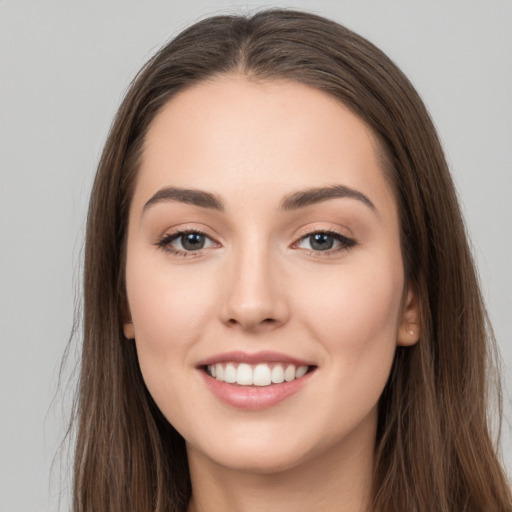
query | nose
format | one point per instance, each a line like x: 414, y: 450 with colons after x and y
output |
x: 255, y: 296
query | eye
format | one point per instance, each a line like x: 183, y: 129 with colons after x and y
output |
x: 325, y: 241
x: 184, y: 242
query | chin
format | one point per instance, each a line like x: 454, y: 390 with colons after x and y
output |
x: 265, y: 449
x: 263, y: 461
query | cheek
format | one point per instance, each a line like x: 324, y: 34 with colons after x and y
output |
x: 170, y: 308
x: 354, y: 311
x: 355, y: 323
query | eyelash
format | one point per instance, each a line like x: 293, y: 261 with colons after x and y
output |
x: 165, y: 242
x: 345, y: 242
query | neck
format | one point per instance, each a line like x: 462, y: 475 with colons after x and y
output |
x: 338, y: 480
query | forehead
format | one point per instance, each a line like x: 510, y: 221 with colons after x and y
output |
x: 238, y: 137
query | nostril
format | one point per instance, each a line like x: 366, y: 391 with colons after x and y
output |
x: 267, y: 321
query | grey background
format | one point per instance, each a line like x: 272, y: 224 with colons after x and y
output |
x: 64, y: 67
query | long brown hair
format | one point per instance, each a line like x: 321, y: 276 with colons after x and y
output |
x: 433, y: 447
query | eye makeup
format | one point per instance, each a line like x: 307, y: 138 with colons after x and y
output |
x: 190, y: 242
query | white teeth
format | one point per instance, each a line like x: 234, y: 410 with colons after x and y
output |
x: 258, y: 375
x: 230, y: 373
x: 277, y: 374
x: 244, y: 375
x: 219, y: 372
x: 301, y: 371
x: 262, y: 375
x: 289, y: 373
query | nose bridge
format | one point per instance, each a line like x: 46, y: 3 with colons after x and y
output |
x: 255, y: 295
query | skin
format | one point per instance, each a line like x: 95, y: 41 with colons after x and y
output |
x: 259, y: 285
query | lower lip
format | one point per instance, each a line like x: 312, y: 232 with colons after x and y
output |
x: 254, y: 397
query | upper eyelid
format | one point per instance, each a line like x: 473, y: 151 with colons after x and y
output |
x: 174, y: 234
x: 348, y: 241
x: 328, y: 231
x: 339, y: 230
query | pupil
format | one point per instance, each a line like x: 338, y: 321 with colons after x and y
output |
x: 192, y: 241
x: 321, y: 241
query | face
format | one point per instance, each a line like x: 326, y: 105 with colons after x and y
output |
x: 264, y: 274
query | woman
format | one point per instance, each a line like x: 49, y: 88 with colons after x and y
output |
x: 280, y: 306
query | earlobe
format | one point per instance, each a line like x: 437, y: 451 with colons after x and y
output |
x: 409, y: 327
x: 128, y: 330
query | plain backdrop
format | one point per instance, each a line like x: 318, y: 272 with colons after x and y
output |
x: 64, y: 68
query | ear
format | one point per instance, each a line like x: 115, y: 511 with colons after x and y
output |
x: 128, y: 329
x: 409, y: 326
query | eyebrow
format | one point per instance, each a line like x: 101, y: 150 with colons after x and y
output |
x: 184, y: 195
x: 311, y: 196
x: 294, y: 201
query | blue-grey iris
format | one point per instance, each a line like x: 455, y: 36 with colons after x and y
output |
x: 192, y: 241
x: 321, y: 241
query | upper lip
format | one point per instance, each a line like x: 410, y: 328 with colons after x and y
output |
x: 237, y: 356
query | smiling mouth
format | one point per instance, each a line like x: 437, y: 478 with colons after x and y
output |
x: 261, y: 374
